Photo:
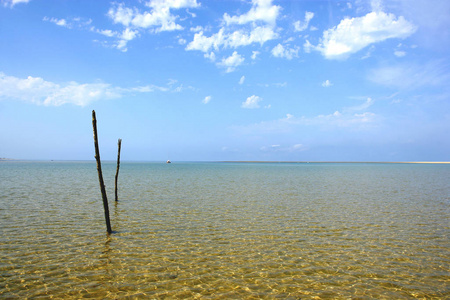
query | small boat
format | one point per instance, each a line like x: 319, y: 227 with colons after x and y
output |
x: 168, y: 161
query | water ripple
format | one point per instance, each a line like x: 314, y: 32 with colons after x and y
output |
x: 219, y: 231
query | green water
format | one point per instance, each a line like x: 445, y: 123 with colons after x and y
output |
x: 225, y: 230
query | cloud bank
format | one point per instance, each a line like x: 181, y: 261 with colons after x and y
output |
x: 11, y: 3
x: 254, y: 27
x: 257, y: 26
x: 38, y: 91
x: 354, y: 34
x: 349, y: 119
x: 158, y: 17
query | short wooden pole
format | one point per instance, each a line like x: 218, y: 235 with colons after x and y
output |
x: 118, y: 165
x: 100, y: 175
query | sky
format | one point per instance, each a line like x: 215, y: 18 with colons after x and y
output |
x: 209, y: 80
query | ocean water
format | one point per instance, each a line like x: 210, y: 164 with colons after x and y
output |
x: 225, y: 230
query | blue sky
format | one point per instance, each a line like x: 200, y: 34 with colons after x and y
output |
x: 201, y: 80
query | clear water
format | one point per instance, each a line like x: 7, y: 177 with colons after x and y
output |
x: 225, y: 230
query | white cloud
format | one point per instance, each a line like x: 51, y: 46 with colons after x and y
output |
x: 369, y: 52
x: 334, y: 121
x: 173, y: 86
x: 76, y: 22
x: 251, y: 102
x: 297, y: 147
x: 338, y: 119
x: 278, y: 50
x: 289, y: 40
x: 11, y: 3
x: 280, y: 84
x: 204, y: 43
x: 126, y: 36
x: 241, y: 81
x: 72, y: 22
x: 255, y: 54
x: 352, y: 35
x: 368, y: 103
x: 121, y: 14
x: 38, y: 91
x: 59, y: 22
x: 211, y: 56
x: 196, y: 29
x: 269, y: 148
x: 257, y: 35
x: 172, y: 82
x: 159, y: 18
x: 301, y: 26
x: 326, y: 83
x: 279, y: 148
x: 363, y: 118
x: 288, y: 53
x: 376, y: 5
x: 277, y: 84
x: 262, y: 10
x: 412, y: 76
x: 148, y: 89
x: 256, y: 26
x: 207, y: 99
x: 107, y: 32
x: 399, y: 53
x: 193, y: 15
x: 231, y: 62
x: 307, y: 47
x: 234, y: 39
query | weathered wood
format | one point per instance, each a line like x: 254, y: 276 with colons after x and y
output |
x: 100, y: 175
x: 119, y: 144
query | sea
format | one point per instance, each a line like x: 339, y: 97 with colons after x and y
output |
x: 225, y: 230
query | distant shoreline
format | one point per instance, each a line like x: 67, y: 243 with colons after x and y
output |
x: 242, y: 161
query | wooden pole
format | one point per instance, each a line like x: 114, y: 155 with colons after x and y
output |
x: 119, y: 144
x: 100, y: 175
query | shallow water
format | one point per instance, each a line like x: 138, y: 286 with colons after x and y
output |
x: 225, y: 230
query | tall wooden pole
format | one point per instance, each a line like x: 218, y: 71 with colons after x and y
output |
x: 118, y: 165
x: 100, y: 175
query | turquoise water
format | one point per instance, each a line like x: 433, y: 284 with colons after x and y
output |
x: 225, y: 230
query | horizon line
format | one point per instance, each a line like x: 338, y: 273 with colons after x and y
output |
x: 234, y: 161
